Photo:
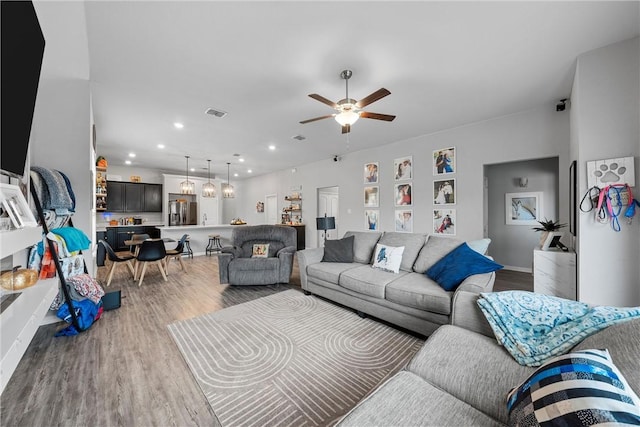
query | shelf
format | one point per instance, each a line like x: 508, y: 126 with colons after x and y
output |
x: 100, y: 169
x: 293, y: 198
x: 19, y: 322
x: 15, y: 240
x: 291, y: 210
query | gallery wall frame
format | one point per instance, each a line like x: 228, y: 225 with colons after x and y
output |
x: 402, y: 194
x: 404, y: 220
x: 523, y: 208
x: 371, y: 219
x: 371, y: 196
x: 403, y: 168
x: 444, y: 161
x: 444, y: 221
x: 444, y: 192
x: 371, y: 173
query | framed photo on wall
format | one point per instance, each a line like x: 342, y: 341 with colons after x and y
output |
x: 403, y: 168
x: 444, y: 221
x: 523, y: 208
x: 402, y: 194
x: 371, y: 219
x: 404, y: 221
x: 371, y: 173
x: 444, y: 161
x: 444, y: 192
x: 371, y: 199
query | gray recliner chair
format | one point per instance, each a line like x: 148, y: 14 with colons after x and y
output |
x: 238, y: 267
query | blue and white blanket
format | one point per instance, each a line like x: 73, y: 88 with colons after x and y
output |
x: 535, y: 327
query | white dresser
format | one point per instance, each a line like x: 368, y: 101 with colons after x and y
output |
x: 554, y: 273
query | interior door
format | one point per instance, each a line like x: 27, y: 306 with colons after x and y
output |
x: 271, y: 208
x: 328, y: 203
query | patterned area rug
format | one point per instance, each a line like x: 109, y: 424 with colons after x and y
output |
x: 289, y: 359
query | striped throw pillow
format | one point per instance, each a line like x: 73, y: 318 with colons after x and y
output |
x: 583, y: 388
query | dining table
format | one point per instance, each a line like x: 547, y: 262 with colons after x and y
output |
x: 136, y: 244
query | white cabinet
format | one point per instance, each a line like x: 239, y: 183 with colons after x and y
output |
x: 21, y: 319
x: 554, y: 273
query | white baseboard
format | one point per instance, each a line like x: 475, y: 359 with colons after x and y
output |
x: 520, y: 269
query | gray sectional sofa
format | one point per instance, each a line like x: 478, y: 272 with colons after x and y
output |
x: 461, y: 376
x: 408, y: 299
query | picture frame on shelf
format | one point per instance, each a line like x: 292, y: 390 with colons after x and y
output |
x: 16, y: 206
x: 552, y: 240
x: 523, y: 208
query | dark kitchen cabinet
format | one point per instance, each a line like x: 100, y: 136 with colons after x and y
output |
x: 116, y: 236
x: 133, y: 197
x: 152, y: 197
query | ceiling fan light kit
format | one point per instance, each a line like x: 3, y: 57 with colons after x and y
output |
x: 350, y: 110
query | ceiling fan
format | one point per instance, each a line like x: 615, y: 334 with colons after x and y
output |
x: 350, y: 110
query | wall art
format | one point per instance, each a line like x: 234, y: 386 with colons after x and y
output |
x: 404, y: 221
x: 371, y: 173
x: 444, y: 161
x: 402, y: 194
x: 444, y: 221
x: 403, y: 168
x: 444, y: 192
x: 523, y: 208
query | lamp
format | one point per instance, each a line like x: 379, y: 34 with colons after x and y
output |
x: 347, y: 117
x: 187, y: 187
x: 523, y: 181
x: 325, y: 223
x: 209, y: 189
x: 227, y: 189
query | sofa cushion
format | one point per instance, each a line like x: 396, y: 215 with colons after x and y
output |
x: 260, y: 251
x: 329, y: 271
x: 418, y: 291
x: 471, y: 367
x: 459, y: 264
x: 340, y: 250
x: 575, y: 389
x: 481, y: 246
x: 388, y: 258
x: 368, y: 280
x: 412, y: 243
x: 407, y: 400
x: 432, y: 251
x: 623, y: 342
x: 363, y: 245
x: 255, y: 264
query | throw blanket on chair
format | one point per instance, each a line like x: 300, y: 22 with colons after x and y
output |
x: 535, y: 327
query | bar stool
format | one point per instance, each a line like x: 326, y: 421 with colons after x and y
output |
x: 214, y: 244
x: 187, y: 248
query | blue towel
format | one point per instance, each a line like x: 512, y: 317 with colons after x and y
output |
x: 56, y: 185
x: 75, y: 239
x: 535, y: 328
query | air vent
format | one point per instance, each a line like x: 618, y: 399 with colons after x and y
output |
x: 214, y: 112
x: 299, y: 137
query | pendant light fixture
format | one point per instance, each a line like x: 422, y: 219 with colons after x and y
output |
x: 187, y: 187
x: 227, y: 189
x: 209, y: 189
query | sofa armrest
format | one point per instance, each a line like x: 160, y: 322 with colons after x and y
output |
x: 234, y: 251
x: 286, y: 250
x: 307, y: 257
x: 466, y: 313
x: 223, y: 266
x: 478, y: 283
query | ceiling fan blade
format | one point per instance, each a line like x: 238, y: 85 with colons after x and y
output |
x: 377, y: 116
x: 317, y: 118
x: 346, y: 128
x: 324, y: 100
x: 380, y: 93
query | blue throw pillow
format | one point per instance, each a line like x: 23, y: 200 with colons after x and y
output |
x: 459, y: 264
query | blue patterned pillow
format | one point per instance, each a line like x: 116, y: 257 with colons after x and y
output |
x: 459, y: 264
x: 583, y: 388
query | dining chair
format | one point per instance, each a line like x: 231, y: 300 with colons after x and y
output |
x: 116, y: 259
x: 176, y: 253
x: 138, y: 237
x: 151, y: 251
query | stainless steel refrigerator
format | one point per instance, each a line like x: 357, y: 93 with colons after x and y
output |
x: 183, y: 212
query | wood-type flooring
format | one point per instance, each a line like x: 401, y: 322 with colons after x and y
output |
x: 126, y: 370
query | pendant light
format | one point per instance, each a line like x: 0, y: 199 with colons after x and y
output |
x: 227, y: 189
x: 187, y: 187
x: 209, y: 189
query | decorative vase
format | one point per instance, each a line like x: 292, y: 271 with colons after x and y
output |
x: 543, y: 237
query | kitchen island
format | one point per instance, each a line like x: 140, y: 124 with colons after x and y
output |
x: 199, y: 234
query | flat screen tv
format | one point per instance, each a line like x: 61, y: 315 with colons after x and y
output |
x: 22, y: 44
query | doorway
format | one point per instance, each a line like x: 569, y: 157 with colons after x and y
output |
x: 328, y: 203
x: 271, y: 208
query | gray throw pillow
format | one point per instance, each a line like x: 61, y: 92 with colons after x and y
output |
x: 339, y: 250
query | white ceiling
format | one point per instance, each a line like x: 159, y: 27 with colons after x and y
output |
x: 446, y: 64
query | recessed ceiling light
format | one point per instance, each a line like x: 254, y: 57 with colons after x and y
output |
x: 241, y: 160
x: 272, y: 147
x: 127, y: 162
x: 249, y: 171
x: 192, y: 169
x: 161, y: 146
x: 132, y: 154
x: 178, y: 125
x: 235, y: 174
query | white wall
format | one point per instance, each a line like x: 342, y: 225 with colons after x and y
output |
x: 605, y: 124
x: 531, y: 134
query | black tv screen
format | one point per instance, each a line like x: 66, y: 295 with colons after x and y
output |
x: 22, y: 44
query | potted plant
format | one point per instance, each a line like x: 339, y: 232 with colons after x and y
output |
x: 546, y: 226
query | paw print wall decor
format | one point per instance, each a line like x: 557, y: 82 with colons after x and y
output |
x: 611, y: 171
